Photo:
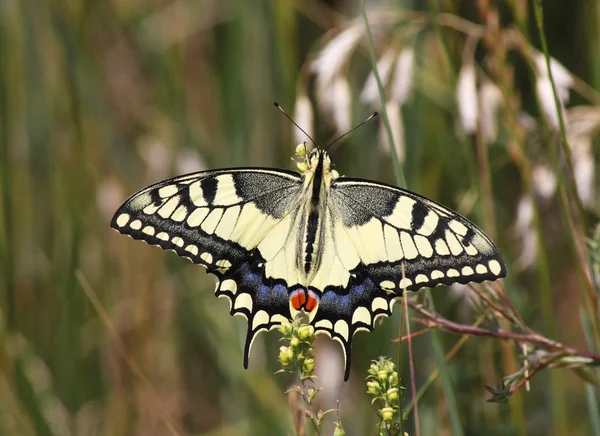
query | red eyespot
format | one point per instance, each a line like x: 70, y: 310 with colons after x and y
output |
x: 313, y: 301
x: 298, y: 298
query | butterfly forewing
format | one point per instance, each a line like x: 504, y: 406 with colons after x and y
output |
x: 413, y: 242
x: 218, y: 219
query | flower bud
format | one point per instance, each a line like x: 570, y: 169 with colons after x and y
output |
x: 373, y: 387
x: 285, y: 328
x: 382, y: 375
x: 301, y: 150
x: 294, y: 342
x: 387, y: 413
x: 393, y: 379
x: 306, y: 332
x: 392, y: 395
x: 339, y: 430
x: 309, y: 366
x: 285, y: 355
x: 302, y: 167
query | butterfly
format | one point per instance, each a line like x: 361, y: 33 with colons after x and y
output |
x: 281, y: 242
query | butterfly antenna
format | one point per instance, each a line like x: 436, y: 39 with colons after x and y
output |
x: 294, y: 123
x: 373, y: 115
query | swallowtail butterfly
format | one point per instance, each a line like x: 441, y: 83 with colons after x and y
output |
x: 279, y: 242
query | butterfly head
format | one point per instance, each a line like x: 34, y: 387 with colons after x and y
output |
x: 321, y: 157
x: 318, y: 155
x: 309, y: 161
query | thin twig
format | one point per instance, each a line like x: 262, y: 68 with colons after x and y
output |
x: 412, y: 335
x: 434, y: 320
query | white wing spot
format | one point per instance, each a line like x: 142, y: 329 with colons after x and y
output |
x: 163, y: 236
x: 196, y: 194
x: 206, y: 257
x: 152, y: 208
x: 361, y: 315
x: 441, y: 248
x: 177, y: 241
x: 401, y: 217
x: 458, y: 227
x: 405, y: 283
x: 421, y: 278
x: 408, y: 245
x: 495, y: 267
x: 455, y: 247
x: 324, y: 324
x: 387, y: 284
x: 192, y: 249
x: 169, y: 207
x: 223, y: 264
x: 136, y: 224
x: 481, y: 269
x: 197, y: 216
x: 471, y: 251
x: 227, y: 223
x: 149, y: 230
x: 379, y: 303
x: 424, y: 246
x: 467, y: 271
x: 167, y: 191
x: 341, y: 328
x: 210, y: 223
x: 452, y: 273
x: 392, y: 243
x: 243, y: 301
x: 261, y: 318
x: 123, y: 219
x: 180, y: 214
x: 436, y: 274
x: 429, y: 224
x: 226, y: 194
x: 228, y: 286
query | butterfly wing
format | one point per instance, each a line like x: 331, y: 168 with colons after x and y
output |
x: 386, y: 240
x: 218, y: 219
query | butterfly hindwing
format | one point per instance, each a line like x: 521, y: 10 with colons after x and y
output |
x: 344, y: 311
x: 217, y: 219
x: 262, y: 301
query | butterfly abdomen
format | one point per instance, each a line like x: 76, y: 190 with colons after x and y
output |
x: 312, y: 226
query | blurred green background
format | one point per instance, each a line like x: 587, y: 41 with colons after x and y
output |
x: 101, y: 98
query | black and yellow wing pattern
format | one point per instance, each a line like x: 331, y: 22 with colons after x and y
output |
x: 280, y: 242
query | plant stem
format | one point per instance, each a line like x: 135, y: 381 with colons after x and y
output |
x: 413, y: 380
x: 400, y: 180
